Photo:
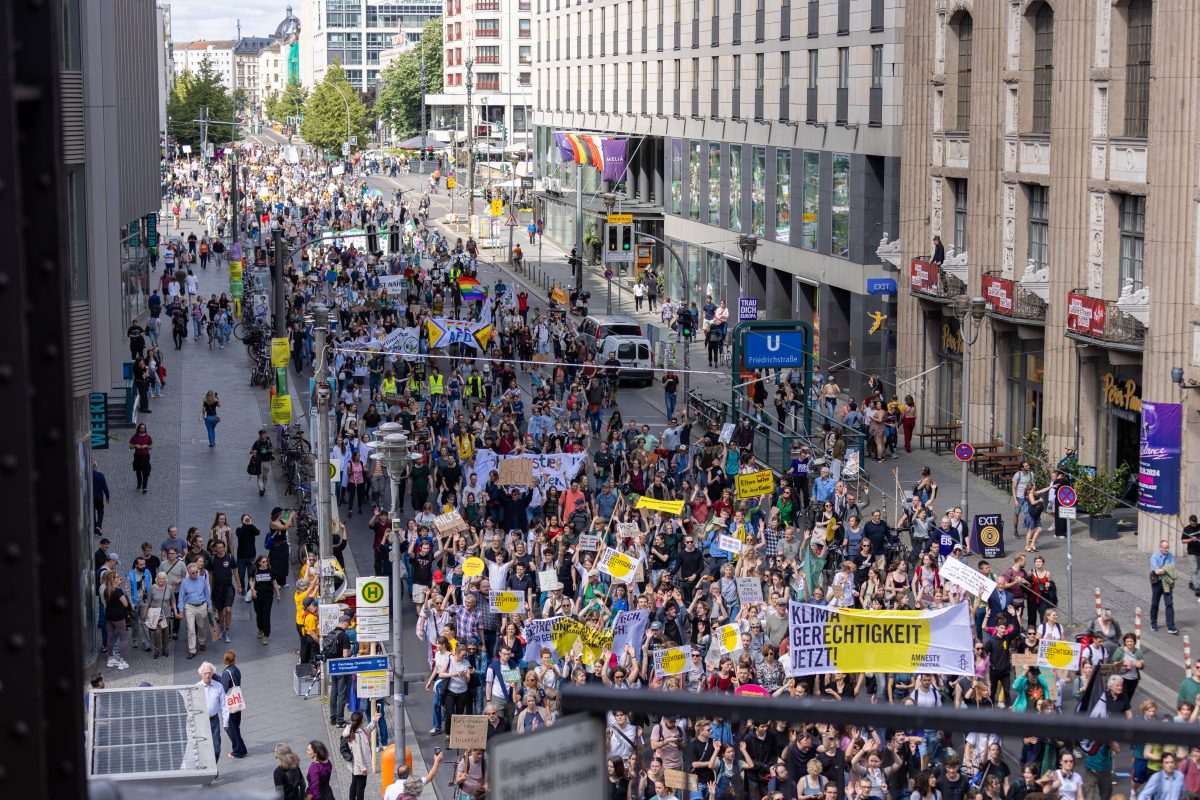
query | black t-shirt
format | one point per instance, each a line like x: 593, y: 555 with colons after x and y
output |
x: 422, y: 569
x: 876, y: 534
x: 152, y: 563
x: 1193, y: 547
x: 221, y: 568
x: 952, y: 789
x: 262, y: 579
x: 246, y: 541
x: 697, y: 750
x: 114, y: 609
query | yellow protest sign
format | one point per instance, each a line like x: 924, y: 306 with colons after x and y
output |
x: 280, y: 352
x: 567, y: 632
x: 617, y: 564
x: 235, y: 270
x: 473, y: 566
x: 755, y: 484
x: 665, y: 506
x: 559, y: 295
x: 731, y: 638
x: 507, y: 602
x: 281, y: 409
x: 675, y: 661
x: 1058, y: 655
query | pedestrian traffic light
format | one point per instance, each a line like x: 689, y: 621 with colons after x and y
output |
x: 373, y: 238
x: 685, y: 322
x: 626, y: 238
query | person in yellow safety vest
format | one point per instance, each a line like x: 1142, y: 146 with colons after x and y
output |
x: 475, y: 386
x: 437, y: 384
x: 389, y: 384
x: 465, y: 443
x: 414, y: 383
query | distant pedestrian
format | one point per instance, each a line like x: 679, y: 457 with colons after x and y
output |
x: 100, y: 496
x: 262, y: 453
x: 214, y: 695
x: 319, y: 772
x: 1162, y: 585
x: 209, y: 413
x: 358, y: 736
x: 639, y: 294
x: 231, y: 679
x: 651, y: 282
x: 908, y: 421
x: 141, y: 444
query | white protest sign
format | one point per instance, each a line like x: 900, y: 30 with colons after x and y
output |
x: 539, y: 635
x: 627, y: 530
x: 629, y: 627
x: 730, y: 544
x: 506, y: 602
x: 726, y: 433
x: 967, y: 577
x: 589, y: 541
x: 749, y: 590
x: 729, y: 637
x: 675, y: 661
x: 1058, y: 655
x: 617, y: 565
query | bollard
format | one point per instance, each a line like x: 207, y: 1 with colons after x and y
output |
x: 1187, y: 656
x: 1099, y: 608
x: 1137, y: 624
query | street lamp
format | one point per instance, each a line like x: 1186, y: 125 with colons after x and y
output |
x: 347, y: 102
x: 748, y: 245
x: 391, y: 449
x: 324, y: 405
x: 610, y: 202
x: 512, y: 217
x: 967, y: 310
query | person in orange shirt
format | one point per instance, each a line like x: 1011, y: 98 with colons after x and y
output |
x: 566, y: 503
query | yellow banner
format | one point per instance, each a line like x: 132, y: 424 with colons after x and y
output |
x: 281, y: 409
x: 665, y: 506
x: 235, y: 270
x: 280, y: 352
x: 567, y: 632
x: 756, y: 484
x: 473, y: 566
x: 559, y: 295
x: 497, y: 207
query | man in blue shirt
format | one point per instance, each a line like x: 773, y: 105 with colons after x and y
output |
x: 1166, y: 784
x: 1162, y: 584
x: 195, y: 603
x: 823, y: 486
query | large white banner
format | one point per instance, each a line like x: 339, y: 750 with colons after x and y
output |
x: 629, y: 627
x: 555, y: 470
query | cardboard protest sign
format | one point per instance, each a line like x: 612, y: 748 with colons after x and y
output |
x: 516, y: 472
x: 468, y: 731
x: 749, y: 590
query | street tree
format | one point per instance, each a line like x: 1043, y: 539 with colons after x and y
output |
x: 399, y: 100
x: 326, y: 110
x: 193, y: 91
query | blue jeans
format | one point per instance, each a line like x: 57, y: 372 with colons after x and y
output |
x: 210, y: 422
x: 196, y: 326
x: 670, y: 398
x: 214, y: 722
x: 593, y: 416
x: 437, y: 704
x: 245, y: 568
x: 237, y: 745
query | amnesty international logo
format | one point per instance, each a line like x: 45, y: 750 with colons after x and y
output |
x: 989, y: 536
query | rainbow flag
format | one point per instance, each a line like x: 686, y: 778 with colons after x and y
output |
x: 471, y: 289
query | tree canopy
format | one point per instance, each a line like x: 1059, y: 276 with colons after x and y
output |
x: 325, y: 111
x: 192, y: 92
x: 289, y: 103
x: 399, y: 99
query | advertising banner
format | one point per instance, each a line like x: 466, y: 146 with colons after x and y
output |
x: 924, y: 276
x: 825, y: 640
x: 1160, y: 457
x: 614, y: 159
x: 1085, y: 315
x: 1000, y: 294
x: 987, y: 535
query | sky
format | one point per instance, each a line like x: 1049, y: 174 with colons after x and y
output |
x: 217, y: 19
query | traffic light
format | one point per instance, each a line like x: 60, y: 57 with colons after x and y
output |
x: 685, y: 322
x: 613, y: 235
x: 373, y: 238
x: 626, y: 238
x: 394, y: 237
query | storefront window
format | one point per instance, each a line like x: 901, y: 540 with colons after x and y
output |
x: 950, y: 352
x: 714, y: 184
x: 714, y: 276
x: 1026, y: 400
x: 783, y: 196
x: 676, y: 176
x: 841, y: 204
x: 674, y: 283
x: 694, y: 180
x: 812, y: 199
x: 735, y: 187
x: 758, y: 190
x: 695, y: 268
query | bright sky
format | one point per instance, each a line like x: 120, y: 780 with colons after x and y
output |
x: 217, y: 19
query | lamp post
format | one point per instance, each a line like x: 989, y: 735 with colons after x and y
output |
x: 470, y: 146
x: 322, y: 473
x: 610, y: 202
x: 512, y: 217
x: 967, y: 311
x: 748, y: 245
x: 392, y: 451
x: 347, y: 102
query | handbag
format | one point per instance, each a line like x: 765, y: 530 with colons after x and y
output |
x: 235, y: 701
x: 255, y: 466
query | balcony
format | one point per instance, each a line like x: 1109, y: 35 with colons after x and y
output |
x: 1014, y: 300
x: 487, y: 5
x: 1120, y: 325
x: 932, y: 282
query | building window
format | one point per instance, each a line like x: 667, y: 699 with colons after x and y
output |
x: 694, y: 180
x: 758, y: 190
x: 713, y: 189
x: 676, y: 176
x: 487, y: 81
x: 1137, y: 68
x: 735, y: 188
x: 1043, y: 67
x: 77, y: 252
x: 843, y: 75
x: 1039, y: 225
x: 965, y: 26
x: 783, y: 195
x: 487, y: 54
x: 959, y: 188
x: 524, y: 54
x: 1133, y: 240
x: 737, y: 87
x: 1025, y: 398
x: 877, y: 66
x: 840, y: 205
x: 812, y: 200
x: 523, y: 29
x: 715, y: 91
x: 487, y: 27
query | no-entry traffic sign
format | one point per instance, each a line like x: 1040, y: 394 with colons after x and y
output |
x: 1066, y: 496
x: 963, y: 451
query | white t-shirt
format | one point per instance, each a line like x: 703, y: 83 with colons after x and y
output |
x: 396, y: 789
x: 1069, y: 785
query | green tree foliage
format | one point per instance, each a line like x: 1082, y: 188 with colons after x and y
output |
x: 289, y: 103
x: 399, y: 99
x: 192, y: 92
x: 325, y: 112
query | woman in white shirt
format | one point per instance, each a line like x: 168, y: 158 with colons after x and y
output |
x: 1064, y: 782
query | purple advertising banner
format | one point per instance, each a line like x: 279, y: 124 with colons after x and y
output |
x: 564, y: 148
x: 1160, y: 458
x: 614, y: 159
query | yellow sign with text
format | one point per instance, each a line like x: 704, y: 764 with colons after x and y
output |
x: 755, y: 484
x: 665, y: 506
x: 280, y: 352
x: 473, y: 566
x: 497, y: 207
x: 281, y: 409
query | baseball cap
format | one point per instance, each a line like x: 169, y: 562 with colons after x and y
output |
x: 656, y: 626
x: 438, y: 576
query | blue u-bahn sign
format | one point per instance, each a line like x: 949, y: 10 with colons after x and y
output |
x: 774, y: 349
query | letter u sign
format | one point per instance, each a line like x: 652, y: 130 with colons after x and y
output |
x: 773, y: 343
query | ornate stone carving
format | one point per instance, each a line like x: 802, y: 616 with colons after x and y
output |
x: 1014, y: 37
x: 1095, y: 255
x: 1100, y: 111
x: 1011, y: 112
x: 1103, y: 31
x: 1135, y: 302
x: 939, y: 39
x: 889, y: 251
x: 935, y: 207
x: 1036, y: 280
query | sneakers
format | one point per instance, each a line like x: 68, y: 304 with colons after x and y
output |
x: 112, y: 662
x: 227, y: 639
x: 266, y: 640
x: 122, y: 664
x: 1173, y: 631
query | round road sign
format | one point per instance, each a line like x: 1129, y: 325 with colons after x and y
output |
x: 963, y: 451
x: 1066, y: 496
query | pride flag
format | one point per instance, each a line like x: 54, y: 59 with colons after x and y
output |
x: 471, y: 289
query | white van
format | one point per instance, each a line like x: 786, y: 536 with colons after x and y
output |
x: 634, y: 354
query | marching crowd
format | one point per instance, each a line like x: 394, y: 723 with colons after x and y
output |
x: 629, y: 538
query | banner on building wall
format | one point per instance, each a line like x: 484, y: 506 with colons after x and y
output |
x: 826, y: 640
x: 1160, y: 457
x: 615, y: 153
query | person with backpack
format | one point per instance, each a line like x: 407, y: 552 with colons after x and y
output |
x: 338, y: 646
x: 355, y: 747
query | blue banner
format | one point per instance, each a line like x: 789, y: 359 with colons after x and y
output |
x: 1160, y: 457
